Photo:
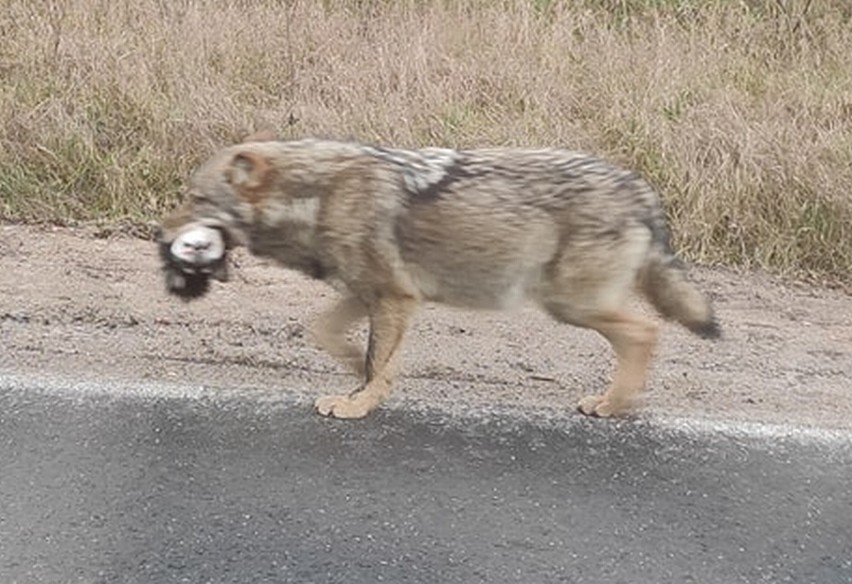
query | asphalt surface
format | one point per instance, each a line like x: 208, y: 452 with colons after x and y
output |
x: 143, y: 484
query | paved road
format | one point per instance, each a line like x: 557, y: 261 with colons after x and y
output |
x: 137, y: 485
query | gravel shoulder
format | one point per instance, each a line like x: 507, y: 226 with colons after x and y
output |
x: 77, y: 306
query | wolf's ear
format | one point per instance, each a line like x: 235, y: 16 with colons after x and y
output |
x: 261, y: 136
x: 251, y: 174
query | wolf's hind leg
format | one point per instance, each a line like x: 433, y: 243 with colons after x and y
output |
x: 590, y: 288
x: 633, y: 339
x: 329, y: 332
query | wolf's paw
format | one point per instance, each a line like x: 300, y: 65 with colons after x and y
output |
x: 342, y: 406
x: 601, y: 407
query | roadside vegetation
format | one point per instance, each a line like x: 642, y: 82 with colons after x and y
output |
x: 739, y: 111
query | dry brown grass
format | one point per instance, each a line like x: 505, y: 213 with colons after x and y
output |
x: 740, y: 111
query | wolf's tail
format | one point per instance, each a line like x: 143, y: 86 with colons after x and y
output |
x: 664, y: 282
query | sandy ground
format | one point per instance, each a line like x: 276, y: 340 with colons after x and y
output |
x: 77, y: 307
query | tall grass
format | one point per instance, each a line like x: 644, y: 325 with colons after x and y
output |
x: 739, y: 111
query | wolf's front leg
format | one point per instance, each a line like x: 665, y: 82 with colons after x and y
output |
x: 389, y: 318
x: 329, y: 332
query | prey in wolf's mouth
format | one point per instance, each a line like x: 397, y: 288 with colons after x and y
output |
x: 192, y: 259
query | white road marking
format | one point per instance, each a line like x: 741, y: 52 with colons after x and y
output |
x: 79, y: 389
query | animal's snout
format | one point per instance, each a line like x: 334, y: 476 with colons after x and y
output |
x: 198, y: 247
x: 194, y: 257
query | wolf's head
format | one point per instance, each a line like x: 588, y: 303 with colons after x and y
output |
x: 195, y: 238
x: 267, y: 195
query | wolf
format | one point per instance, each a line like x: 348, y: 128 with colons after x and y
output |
x: 393, y: 228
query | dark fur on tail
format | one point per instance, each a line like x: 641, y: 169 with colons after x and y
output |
x: 665, y: 283
x: 675, y: 297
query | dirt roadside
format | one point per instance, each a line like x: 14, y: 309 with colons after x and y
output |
x: 78, y: 306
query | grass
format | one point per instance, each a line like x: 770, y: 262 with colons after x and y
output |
x: 739, y: 111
